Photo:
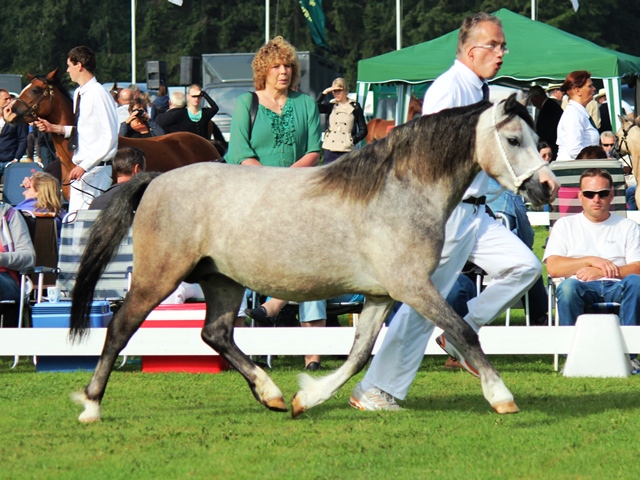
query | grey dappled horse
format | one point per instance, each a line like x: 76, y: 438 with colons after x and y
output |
x: 372, y: 223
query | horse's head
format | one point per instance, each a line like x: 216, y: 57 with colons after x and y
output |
x: 625, y: 137
x: 35, y: 100
x: 506, y: 148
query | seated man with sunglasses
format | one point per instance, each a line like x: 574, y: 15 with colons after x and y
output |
x: 597, y: 253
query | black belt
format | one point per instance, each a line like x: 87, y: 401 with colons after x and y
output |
x: 475, y: 200
x: 110, y: 162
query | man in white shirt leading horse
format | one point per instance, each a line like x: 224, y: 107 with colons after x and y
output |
x: 470, y: 234
x: 95, y: 135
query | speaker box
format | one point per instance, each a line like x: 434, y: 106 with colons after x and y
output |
x: 190, y: 70
x: 156, y: 74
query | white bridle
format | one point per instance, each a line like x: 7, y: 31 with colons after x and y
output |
x: 517, y: 180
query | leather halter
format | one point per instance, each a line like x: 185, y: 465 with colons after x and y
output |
x: 32, y: 109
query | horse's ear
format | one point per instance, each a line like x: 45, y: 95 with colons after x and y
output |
x: 30, y: 77
x: 624, y: 120
x: 52, y: 74
x: 510, y: 103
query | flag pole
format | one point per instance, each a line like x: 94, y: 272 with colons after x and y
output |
x: 267, y: 27
x: 398, y: 24
x: 534, y: 10
x: 133, y: 41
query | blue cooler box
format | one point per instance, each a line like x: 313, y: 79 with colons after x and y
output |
x: 56, y: 315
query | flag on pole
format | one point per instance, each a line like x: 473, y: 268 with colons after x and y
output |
x: 575, y: 5
x: 312, y: 11
x: 176, y: 2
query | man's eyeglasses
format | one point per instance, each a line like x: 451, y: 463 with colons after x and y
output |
x: 591, y: 194
x: 494, y: 47
x: 607, y: 144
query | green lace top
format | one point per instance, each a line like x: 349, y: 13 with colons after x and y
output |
x: 276, y: 140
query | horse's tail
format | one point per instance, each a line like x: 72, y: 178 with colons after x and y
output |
x: 104, y: 240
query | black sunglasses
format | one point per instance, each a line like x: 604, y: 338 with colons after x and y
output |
x: 601, y: 193
x: 607, y: 144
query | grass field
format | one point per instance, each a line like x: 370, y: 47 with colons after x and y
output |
x: 209, y: 426
x: 176, y: 426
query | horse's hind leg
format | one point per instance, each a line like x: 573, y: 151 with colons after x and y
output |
x: 223, y: 297
x: 434, y: 307
x: 147, y: 291
x: 316, y: 390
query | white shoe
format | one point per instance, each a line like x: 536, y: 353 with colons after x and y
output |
x: 453, y: 351
x: 372, y: 400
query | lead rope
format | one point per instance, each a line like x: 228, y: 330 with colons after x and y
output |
x: 518, y: 180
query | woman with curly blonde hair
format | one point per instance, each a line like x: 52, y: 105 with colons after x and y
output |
x: 284, y: 129
x: 278, y: 127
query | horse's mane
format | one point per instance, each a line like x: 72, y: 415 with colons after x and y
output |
x: 430, y: 147
x: 57, y: 82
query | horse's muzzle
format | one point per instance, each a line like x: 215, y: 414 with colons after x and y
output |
x: 540, y: 189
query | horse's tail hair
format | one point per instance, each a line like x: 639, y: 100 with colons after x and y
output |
x: 105, y: 237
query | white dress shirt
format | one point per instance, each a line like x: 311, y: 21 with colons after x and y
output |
x: 97, y: 126
x: 575, y: 132
x: 457, y: 87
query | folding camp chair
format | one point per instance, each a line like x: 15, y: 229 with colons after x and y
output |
x: 568, y: 203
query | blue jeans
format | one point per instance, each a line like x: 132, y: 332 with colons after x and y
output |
x: 630, y: 194
x: 9, y: 288
x: 573, y: 295
x: 463, y: 291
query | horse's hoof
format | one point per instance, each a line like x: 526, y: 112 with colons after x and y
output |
x: 506, y: 407
x: 297, y: 408
x: 91, y: 408
x: 276, y: 404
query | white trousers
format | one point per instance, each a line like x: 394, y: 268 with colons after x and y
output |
x: 470, y: 234
x: 93, y: 183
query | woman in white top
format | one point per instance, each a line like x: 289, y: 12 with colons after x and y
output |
x: 575, y: 129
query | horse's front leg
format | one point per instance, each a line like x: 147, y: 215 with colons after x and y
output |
x: 315, y: 390
x: 223, y: 297
x: 430, y: 304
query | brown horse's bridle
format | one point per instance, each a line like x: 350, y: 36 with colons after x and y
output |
x: 32, y: 113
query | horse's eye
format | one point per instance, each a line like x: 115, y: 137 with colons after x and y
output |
x: 513, y: 142
x: 37, y: 90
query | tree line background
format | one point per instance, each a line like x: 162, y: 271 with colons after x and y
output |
x: 36, y: 35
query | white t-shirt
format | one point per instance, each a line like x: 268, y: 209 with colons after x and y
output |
x: 457, y: 87
x: 617, y: 239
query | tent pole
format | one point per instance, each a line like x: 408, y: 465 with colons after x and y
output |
x: 398, y: 24
x: 534, y: 10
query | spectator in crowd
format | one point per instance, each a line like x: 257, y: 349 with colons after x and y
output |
x: 127, y: 162
x: 135, y: 91
x: 40, y: 144
x: 603, y: 108
x: 138, y: 124
x: 42, y: 195
x: 595, y: 254
x: 124, y: 100
x: 161, y: 103
x: 95, y: 136
x: 555, y: 93
x: 285, y: 132
x: 549, y: 113
x: 346, y: 125
x: 592, y: 152
x: 576, y: 130
x: 177, y: 100
x: 471, y: 235
x: 13, y: 138
x: 545, y: 151
x: 608, y: 141
x: 16, y: 251
x: 194, y: 118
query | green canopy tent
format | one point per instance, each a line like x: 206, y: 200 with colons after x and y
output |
x: 538, y: 53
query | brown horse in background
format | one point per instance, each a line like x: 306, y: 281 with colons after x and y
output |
x: 378, y: 128
x: 45, y: 97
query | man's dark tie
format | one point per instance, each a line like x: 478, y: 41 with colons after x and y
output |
x: 73, y: 138
x: 485, y: 91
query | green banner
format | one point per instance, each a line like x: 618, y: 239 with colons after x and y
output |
x: 312, y: 11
